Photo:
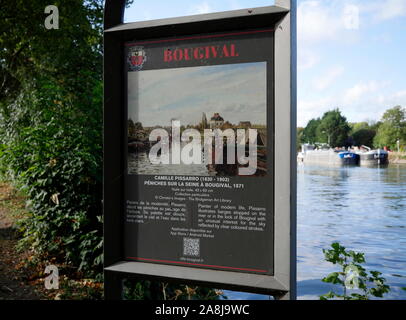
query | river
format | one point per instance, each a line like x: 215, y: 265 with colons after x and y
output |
x: 138, y: 163
x: 362, y: 208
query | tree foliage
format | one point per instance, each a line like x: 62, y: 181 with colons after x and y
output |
x: 363, y: 134
x: 333, y: 129
x: 364, y: 137
x: 309, y: 134
x: 30, y: 51
x: 299, y: 137
x: 51, y: 131
x: 392, y: 129
x: 51, y: 125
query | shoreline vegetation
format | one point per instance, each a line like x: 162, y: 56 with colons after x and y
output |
x: 333, y: 130
x: 397, y: 157
x: 21, y: 274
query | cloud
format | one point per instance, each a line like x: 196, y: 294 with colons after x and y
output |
x: 326, y: 25
x: 201, y: 8
x: 311, y: 109
x: 373, y: 103
x: 328, y: 20
x: 312, y: 21
x: 400, y: 95
x: 321, y: 20
x: 307, y: 59
x: 317, y: 21
x: 397, y: 98
x: 363, y: 90
x: 235, y: 5
x: 237, y: 91
x: 351, y: 17
x: 327, y: 79
x: 367, y: 100
x: 384, y: 10
x: 147, y: 15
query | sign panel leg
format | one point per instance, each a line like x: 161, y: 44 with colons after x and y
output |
x: 113, y: 286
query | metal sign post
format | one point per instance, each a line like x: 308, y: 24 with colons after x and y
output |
x: 225, y: 222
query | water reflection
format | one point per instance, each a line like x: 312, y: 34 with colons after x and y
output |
x: 138, y: 163
x: 362, y: 208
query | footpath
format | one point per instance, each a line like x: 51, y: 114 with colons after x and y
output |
x: 14, y: 283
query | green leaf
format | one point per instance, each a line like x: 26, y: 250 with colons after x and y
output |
x: 333, y: 278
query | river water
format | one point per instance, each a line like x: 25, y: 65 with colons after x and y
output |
x: 362, y: 208
x: 138, y: 163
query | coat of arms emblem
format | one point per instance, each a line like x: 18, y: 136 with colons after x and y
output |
x: 136, y: 58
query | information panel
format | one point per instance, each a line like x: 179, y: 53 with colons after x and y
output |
x: 199, y: 181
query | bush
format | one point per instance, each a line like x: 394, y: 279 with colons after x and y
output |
x: 352, y: 276
x: 149, y: 290
x: 52, y: 150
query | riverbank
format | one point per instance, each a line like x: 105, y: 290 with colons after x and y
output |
x: 22, y: 278
x: 397, y: 157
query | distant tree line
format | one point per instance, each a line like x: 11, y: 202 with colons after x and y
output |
x: 334, y: 129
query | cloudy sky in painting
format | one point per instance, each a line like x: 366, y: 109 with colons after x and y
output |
x: 236, y: 91
x: 351, y: 53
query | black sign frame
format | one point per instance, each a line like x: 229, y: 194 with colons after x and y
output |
x: 282, y: 19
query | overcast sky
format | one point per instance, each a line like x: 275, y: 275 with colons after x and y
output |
x: 236, y: 91
x: 351, y: 53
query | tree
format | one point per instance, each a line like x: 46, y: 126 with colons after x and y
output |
x: 51, y: 126
x: 358, y: 126
x: 333, y: 129
x: 133, y: 127
x: 30, y: 50
x: 364, y: 137
x: 392, y: 129
x: 309, y: 134
x: 299, y: 137
x: 374, y: 125
x: 362, y: 134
